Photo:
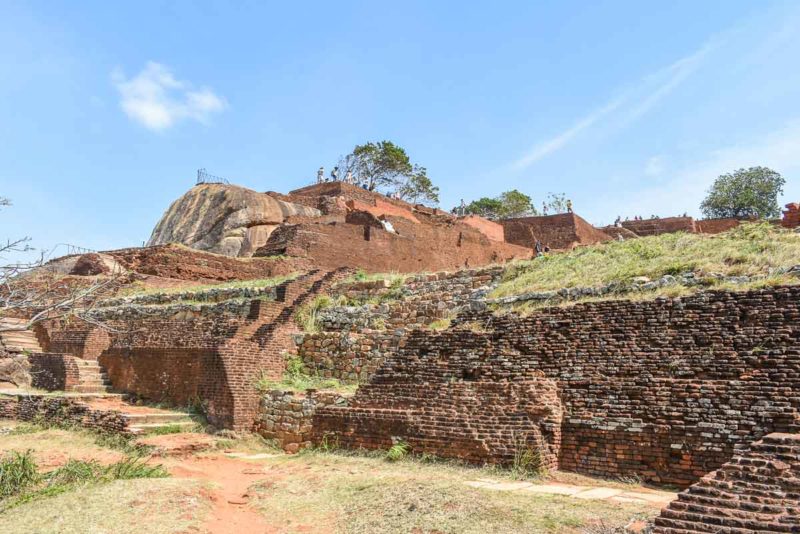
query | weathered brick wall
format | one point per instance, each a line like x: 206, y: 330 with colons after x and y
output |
x: 287, y: 417
x: 414, y: 248
x: 562, y: 231
x: 756, y: 491
x: 79, y: 339
x: 791, y: 217
x: 213, y: 358
x: 174, y: 261
x: 666, y: 225
x: 53, y: 371
x: 663, y: 389
x: 715, y: 226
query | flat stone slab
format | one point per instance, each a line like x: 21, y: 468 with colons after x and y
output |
x: 247, y: 456
x: 600, y: 493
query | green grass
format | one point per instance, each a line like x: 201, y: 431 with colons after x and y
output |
x: 307, y: 316
x: 750, y: 249
x: 362, y: 494
x: 298, y: 378
x: 363, y: 276
x: 137, y: 289
x: 20, y: 480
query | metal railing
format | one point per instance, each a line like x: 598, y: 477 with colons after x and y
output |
x: 203, y: 177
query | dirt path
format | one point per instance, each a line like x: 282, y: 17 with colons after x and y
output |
x: 230, y: 479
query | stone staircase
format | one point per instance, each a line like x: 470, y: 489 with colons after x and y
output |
x: 19, y: 340
x: 91, y: 378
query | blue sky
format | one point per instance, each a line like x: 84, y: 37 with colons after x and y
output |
x: 628, y: 107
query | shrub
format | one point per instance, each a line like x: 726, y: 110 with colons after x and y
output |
x: 17, y: 473
x: 398, y: 451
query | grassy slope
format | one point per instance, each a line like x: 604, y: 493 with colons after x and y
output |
x: 747, y: 250
x: 361, y: 495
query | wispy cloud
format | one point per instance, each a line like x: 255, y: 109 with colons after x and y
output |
x: 155, y: 99
x: 630, y: 105
x: 654, y: 166
x: 688, y: 186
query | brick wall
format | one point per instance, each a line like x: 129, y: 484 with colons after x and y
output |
x: 430, y: 246
x: 216, y: 359
x: 756, y: 491
x: 562, y: 231
x: 53, y: 371
x: 791, y: 217
x: 349, y: 357
x: 79, y: 339
x: 663, y: 389
x: 183, y: 263
x: 666, y: 225
x: 61, y: 411
x: 715, y: 226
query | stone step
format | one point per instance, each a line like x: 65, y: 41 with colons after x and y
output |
x: 91, y: 388
x: 139, y: 419
x: 145, y: 428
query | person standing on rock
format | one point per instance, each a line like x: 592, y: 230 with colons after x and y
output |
x: 321, y: 175
x: 544, y: 208
x: 569, y: 206
x: 348, y: 178
x: 335, y: 174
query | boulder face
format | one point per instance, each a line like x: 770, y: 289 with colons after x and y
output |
x: 225, y: 219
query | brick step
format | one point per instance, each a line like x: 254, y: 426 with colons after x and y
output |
x: 700, y: 515
x: 91, y: 388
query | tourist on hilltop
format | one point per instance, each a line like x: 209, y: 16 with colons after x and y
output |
x: 335, y: 174
x: 348, y: 178
x: 321, y: 175
x: 569, y: 206
x: 618, y: 221
x: 544, y: 208
x: 462, y: 208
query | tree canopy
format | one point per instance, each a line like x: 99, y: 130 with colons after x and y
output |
x: 385, y: 166
x: 507, y: 205
x: 745, y: 193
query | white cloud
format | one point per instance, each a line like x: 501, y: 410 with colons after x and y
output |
x: 156, y: 100
x: 631, y: 104
x: 654, y: 166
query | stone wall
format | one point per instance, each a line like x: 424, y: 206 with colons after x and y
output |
x: 287, y: 416
x: 349, y: 357
x: 662, y: 389
x: 61, y: 411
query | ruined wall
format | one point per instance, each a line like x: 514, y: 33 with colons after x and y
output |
x: 287, y: 417
x: 663, y: 389
x: 80, y: 339
x: 756, y: 491
x: 666, y: 225
x: 53, y: 371
x: 559, y: 232
x: 716, y: 226
x: 214, y: 357
x: 415, y: 247
x: 174, y: 261
x: 791, y: 217
x: 61, y: 411
x: 349, y: 357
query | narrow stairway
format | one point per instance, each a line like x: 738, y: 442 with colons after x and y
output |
x: 91, y: 378
x: 20, y: 340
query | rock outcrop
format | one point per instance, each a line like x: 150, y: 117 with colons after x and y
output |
x: 225, y: 219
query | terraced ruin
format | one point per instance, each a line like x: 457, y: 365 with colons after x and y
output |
x: 670, y: 357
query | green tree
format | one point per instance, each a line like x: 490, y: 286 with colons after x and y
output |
x: 556, y: 203
x: 418, y: 187
x: 489, y: 208
x: 515, y: 204
x: 508, y: 205
x: 386, y: 167
x: 749, y: 192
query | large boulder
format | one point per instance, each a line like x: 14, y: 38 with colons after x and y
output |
x: 225, y: 219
